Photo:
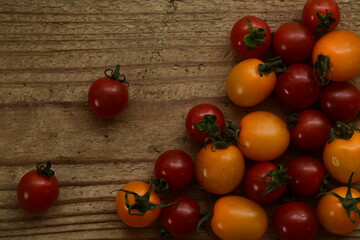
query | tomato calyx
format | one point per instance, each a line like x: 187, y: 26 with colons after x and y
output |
x: 161, y: 185
x: 205, y: 215
x: 323, y: 65
x: 275, y: 65
x: 349, y: 203
x: 342, y: 131
x: 292, y: 119
x: 44, y: 169
x: 325, y: 22
x: 326, y: 184
x: 255, y: 37
x: 278, y: 177
x: 116, y: 75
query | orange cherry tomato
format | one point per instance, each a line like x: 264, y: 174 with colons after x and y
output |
x: 239, y: 218
x: 341, y: 158
x: 138, y: 221
x: 343, y: 51
x: 219, y: 171
x: 332, y: 215
x: 263, y: 136
x: 244, y: 85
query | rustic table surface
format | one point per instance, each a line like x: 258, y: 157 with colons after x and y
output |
x: 174, y: 53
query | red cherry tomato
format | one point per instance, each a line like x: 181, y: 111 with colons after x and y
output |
x: 321, y: 16
x: 176, y: 168
x: 181, y: 219
x: 108, y: 96
x: 293, y: 42
x: 306, y: 175
x: 311, y: 130
x: 340, y: 101
x: 196, y: 114
x: 38, y: 189
x: 297, y: 87
x: 295, y: 221
x: 251, y: 37
x: 257, y: 180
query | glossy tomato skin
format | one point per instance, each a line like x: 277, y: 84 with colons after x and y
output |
x: 244, y: 85
x: 37, y: 193
x: 343, y: 50
x: 176, y: 167
x: 332, y: 215
x: 311, y: 131
x: 133, y: 220
x: 295, y: 221
x: 181, y: 219
x: 219, y: 171
x: 240, y: 29
x: 107, y: 97
x: 294, y: 42
x: 340, y: 101
x: 323, y: 7
x: 196, y: 114
x: 263, y: 136
x: 341, y: 158
x: 240, y: 218
x: 307, y: 174
x: 297, y: 87
x: 254, y: 184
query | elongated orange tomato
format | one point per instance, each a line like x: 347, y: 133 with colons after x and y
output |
x: 248, y: 85
x: 219, y: 171
x: 263, y: 136
x: 337, y: 56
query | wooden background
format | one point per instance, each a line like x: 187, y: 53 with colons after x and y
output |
x: 175, y: 54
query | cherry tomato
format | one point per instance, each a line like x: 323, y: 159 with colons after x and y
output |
x: 340, y: 101
x: 292, y: 86
x: 341, y: 158
x: 38, y: 189
x: 294, y: 42
x: 219, y: 171
x: 336, y: 56
x: 263, y: 136
x: 311, y: 130
x: 108, y: 96
x: 295, y: 221
x: 181, y: 219
x: 262, y: 178
x: 176, y: 168
x: 306, y: 175
x: 137, y: 217
x: 321, y: 16
x: 251, y: 81
x: 236, y: 217
x: 251, y: 37
x: 196, y: 114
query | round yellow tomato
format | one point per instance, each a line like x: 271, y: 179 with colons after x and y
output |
x: 244, y: 85
x: 342, y: 157
x: 239, y: 218
x: 219, y: 171
x: 342, y: 48
x: 263, y: 136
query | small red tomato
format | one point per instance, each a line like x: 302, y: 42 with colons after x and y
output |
x: 340, y: 101
x: 108, y: 96
x: 293, y: 42
x: 251, y: 37
x: 310, y: 129
x: 321, y: 16
x: 181, y: 219
x: 176, y: 168
x: 197, y: 114
x: 297, y: 82
x: 38, y: 189
x: 295, y: 221
x: 306, y: 175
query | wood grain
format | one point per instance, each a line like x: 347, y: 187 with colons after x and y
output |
x: 175, y: 54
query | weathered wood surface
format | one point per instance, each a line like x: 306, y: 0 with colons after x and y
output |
x: 174, y: 53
